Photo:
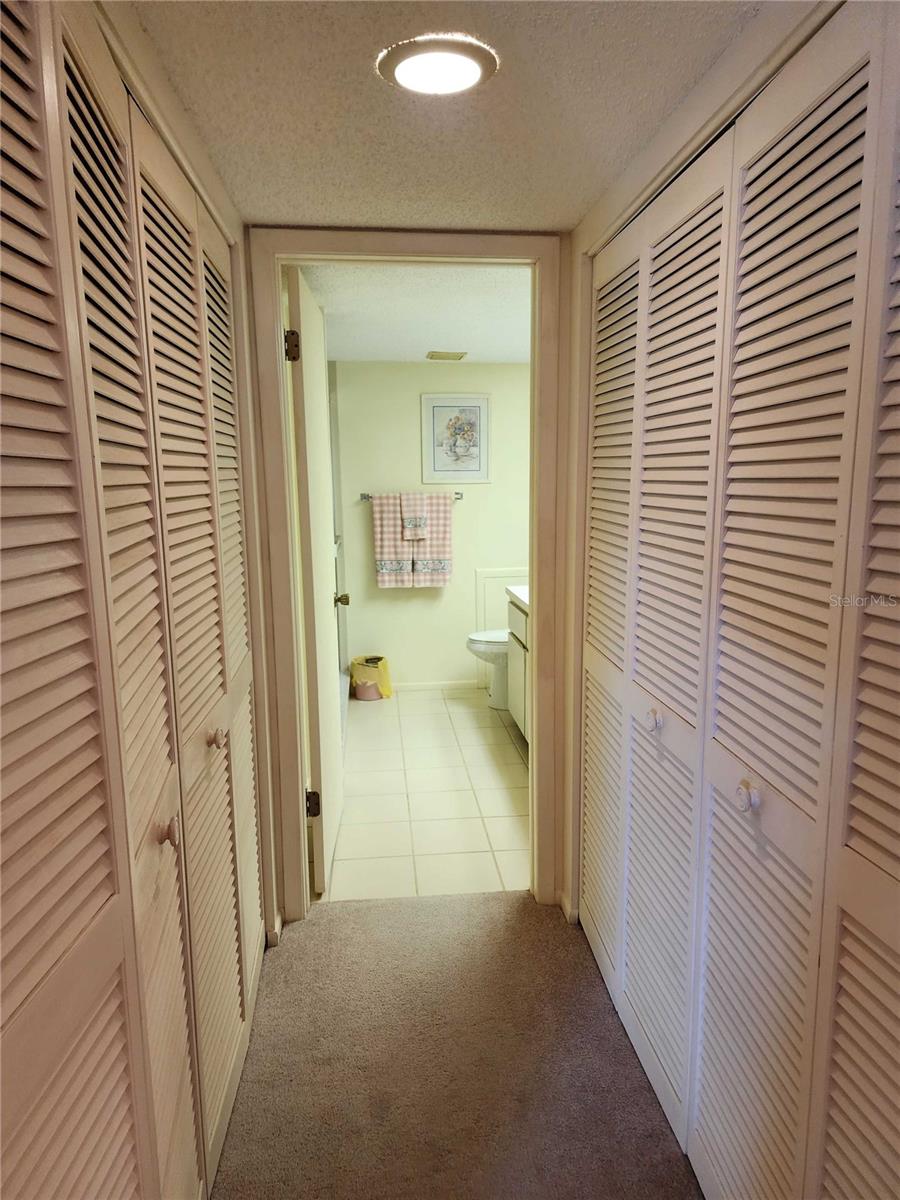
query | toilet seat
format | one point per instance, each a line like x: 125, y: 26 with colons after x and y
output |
x: 489, y: 637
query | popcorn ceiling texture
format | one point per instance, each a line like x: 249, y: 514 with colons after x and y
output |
x: 304, y: 132
x: 387, y: 312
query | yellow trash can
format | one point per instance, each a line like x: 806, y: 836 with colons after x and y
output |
x: 370, y: 677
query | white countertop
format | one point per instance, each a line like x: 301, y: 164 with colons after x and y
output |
x: 518, y: 593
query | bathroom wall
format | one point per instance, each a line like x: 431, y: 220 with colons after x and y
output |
x: 423, y: 631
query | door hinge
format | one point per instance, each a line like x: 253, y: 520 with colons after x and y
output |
x: 313, y: 804
x: 292, y: 345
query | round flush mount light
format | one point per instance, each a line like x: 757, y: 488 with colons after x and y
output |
x: 437, y: 64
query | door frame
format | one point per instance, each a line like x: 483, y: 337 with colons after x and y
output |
x: 270, y: 249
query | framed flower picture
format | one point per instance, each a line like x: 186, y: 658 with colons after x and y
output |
x: 455, y: 438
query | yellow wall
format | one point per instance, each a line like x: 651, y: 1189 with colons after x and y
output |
x: 423, y: 631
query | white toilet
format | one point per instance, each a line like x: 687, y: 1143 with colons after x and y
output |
x: 490, y: 646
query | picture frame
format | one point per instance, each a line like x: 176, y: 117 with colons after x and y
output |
x: 455, y: 438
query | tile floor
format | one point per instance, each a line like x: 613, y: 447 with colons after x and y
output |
x: 435, y: 799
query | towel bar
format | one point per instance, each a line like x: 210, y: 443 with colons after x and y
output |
x: 368, y: 495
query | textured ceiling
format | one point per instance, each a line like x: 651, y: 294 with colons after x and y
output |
x: 304, y: 132
x: 378, y: 312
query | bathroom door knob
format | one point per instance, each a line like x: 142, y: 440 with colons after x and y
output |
x: 343, y: 598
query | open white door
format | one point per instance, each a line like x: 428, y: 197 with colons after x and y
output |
x: 312, y: 427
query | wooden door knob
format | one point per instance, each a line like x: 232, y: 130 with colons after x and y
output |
x: 171, y: 833
x: 216, y: 738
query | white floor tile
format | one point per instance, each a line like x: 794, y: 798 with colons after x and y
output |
x: 515, y: 869
x: 487, y: 775
x: 373, y: 840
x: 493, y: 755
x: 482, y: 735
x: 372, y: 710
x: 414, y: 722
x: 437, y: 806
x: 372, y: 879
x: 437, y: 779
x: 474, y: 717
x: 376, y: 737
x: 358, y: 810
x: 374, y: 783
x: 448, y: 837
x: 433, y: 756
x: 507, y: 833
x: 413, y: 703
x: 455, y: 874
x: 502, y: 802
x: 465, y: 701
x: 424, y: 736
x: 373, y: 760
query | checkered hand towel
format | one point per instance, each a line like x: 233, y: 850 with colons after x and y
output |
x: 413, y: 515
x: 433, y: 556
x: 393, y: 556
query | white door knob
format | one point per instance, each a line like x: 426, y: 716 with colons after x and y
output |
x: 653, y: 720
x: 748, y: 796
x: 216, y: 738
x: 171, y: 833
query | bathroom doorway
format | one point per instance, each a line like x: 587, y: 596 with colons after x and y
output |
x: 442, y: 762
x: 429, y: 388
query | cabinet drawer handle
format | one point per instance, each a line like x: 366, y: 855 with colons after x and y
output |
x: 171, y: 833
x: 748, y: 796
x: 216, y: 738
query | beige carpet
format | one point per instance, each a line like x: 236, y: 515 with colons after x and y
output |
x: 459, y: 1048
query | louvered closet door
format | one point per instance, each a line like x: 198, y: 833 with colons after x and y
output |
x: 209, y: 713
x: 220, y: 366
x: 803, y: 184
x: 72, y: 1094
x: 609, y: 557
x: 855, y: 1135
x: 685, y: 237
x: 95, y: 111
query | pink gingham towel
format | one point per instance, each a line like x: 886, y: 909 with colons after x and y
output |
x: 393, y: 556
x: 426, y: 562
x: 413, y: 515
x: 433, y: 556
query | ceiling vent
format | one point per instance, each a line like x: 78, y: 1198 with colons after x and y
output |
x: 446, y: 355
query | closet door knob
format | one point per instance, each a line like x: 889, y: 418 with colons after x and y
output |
x: 216, y: 738
x: 653, y: 720
x: 343, y: 598
x: 171, y: 833
x: 748, y: 796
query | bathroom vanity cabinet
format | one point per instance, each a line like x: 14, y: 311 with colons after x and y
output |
x: 517, y: 657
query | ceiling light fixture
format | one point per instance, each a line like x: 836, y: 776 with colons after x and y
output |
x: 437, y: 64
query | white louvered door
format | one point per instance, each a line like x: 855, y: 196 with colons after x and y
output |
x: 612, y: 434
x: 185, y: 293
x: 855, y: 1123
x: 804, y: 167
x: 685, y: 233
x: 659, y: 292
x: 95, y: 110
x: 75, y: 1120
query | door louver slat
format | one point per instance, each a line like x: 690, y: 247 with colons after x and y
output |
x: 57, y: 864
x: 680, y: 391
x: 788, y: 419
x: 185, y: 454
x: 221, y: 368
x: 602, y: 782
x: 123, y: 444
x: 873, y: 817
x: 612, y: 422
x: 755, y: 976
x: 658, y: 899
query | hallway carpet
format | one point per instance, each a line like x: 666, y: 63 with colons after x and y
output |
x: 443, y: 1048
